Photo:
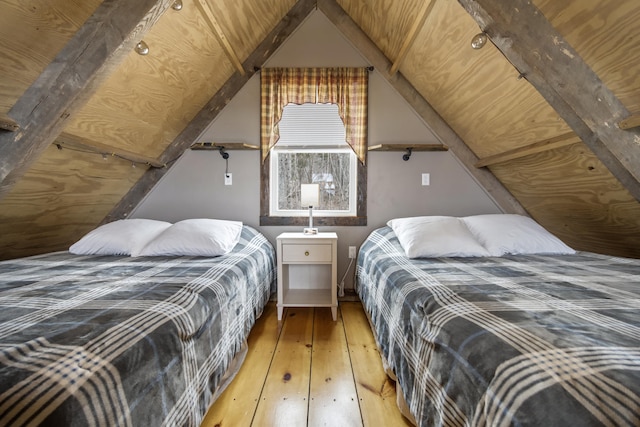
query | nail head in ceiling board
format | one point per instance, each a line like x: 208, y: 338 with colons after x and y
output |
x: 142, y: 48
x: 479, y: 40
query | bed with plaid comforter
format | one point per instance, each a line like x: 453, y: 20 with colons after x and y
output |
x: 110, y: 340
x: 509, y: 341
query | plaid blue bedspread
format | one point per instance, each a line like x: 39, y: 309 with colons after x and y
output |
x: 109, y: 340
x: 509, y: 341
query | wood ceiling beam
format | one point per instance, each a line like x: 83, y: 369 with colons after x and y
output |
x: 7, y: 123
x: 66, y: 84
x: 423, y: 14
x: 296, y: 15
x: 633, y: 121
x: 434, y: 121
x: 534, y: 148
x: 209, y: 17
x: 541, y: 55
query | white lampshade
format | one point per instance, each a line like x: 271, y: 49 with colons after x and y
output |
x: 309, y: 195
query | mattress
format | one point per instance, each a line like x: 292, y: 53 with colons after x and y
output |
x: 131, y: 341
x: 522, y: 340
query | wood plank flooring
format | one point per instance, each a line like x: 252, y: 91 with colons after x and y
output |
x: 309, y: 371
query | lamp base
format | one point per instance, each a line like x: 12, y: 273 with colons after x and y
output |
x: 310, y: 231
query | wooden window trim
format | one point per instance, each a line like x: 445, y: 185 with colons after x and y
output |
x: 361, y: 203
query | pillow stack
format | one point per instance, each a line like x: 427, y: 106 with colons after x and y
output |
x: 475, y: 236
x: 198, y: 237
x: 122, y: 237
x: 504, y: 234
x: 147, y: 237
x: 436, y: 236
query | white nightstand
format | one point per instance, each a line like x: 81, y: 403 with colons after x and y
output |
x: 307, y: 271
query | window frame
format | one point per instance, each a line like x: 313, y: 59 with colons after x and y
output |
x: 360, y: 219
x: 353, y: 171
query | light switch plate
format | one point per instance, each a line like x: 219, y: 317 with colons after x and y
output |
x: 227, y: 179
x: 426, y: 179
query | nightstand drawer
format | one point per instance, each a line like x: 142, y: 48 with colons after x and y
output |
x: 306, y: 253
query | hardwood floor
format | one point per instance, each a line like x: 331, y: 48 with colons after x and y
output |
x: 311, y: 371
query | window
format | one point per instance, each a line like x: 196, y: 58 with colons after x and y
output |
x: 312, y: 149
x: 313, y: 130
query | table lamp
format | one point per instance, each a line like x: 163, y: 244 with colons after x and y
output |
x: 309, y: 197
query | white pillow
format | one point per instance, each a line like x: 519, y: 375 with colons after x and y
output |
x: 514, y: 234
x: 122, y: 237
x: 435, y: 236
x: 196, y: 237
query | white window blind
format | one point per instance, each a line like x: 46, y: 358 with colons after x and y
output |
x: 311, y: 126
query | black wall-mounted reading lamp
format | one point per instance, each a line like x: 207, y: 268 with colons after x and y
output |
x: 407, y: 155
x: 225, y: 156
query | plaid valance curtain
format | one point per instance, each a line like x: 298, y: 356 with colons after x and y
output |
x: 346, y: 87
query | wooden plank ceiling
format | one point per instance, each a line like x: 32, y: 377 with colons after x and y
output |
x: 546, y: 119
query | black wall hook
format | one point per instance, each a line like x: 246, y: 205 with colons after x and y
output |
x: 407, y: 155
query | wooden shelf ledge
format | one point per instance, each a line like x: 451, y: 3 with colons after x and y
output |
x: 75, y: 142
x: 7, y: 123
x: 225, y: 145
x: 405, y: 147
x: 534, y: 148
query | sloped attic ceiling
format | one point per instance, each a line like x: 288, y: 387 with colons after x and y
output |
x: 540, y: 105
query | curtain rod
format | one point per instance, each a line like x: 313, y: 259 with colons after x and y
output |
x: 370, y: 68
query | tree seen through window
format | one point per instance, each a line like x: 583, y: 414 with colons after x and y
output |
x: 331, y: 170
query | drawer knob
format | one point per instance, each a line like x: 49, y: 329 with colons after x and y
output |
x: 306, y: 253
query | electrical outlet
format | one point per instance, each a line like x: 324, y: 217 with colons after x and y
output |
x: 227, y: 179
x: 352, y: 252
x: 426, y: 179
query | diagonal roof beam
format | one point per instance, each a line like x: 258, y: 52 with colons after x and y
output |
x: 434, y: 121
x: 216, y: 29
x: 423, y: 14
x: 68, y: 82
x: 216, y: 104
x: 536, y: 49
